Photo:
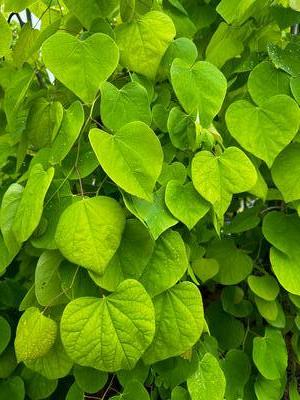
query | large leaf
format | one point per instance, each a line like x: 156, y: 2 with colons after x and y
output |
x: 208, y: 382
x: 30, y: 208
x: 218, y: 178
x: 132, y: 157
x: 175, y: 309
x: 283, y: 232
x: 79, y: 64
x: 264, y: 130
x: 200, y: 89
x: 129, y: 104
x: 35, y: 335
x: 89, y: 232
x: 286, y: 172
x: 5, y: 36
x: 143, y: 42
x: 270, y: 354
x: 109, y: 333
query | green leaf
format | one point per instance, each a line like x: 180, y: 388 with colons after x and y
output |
x: 135, y: 390
x: 155, y: 215
x: 175, y: 309
x: 200, y: 89
x: 43, y: 122
x: 131, y: 258
x: 90, y: 10
x: 208, y: 382
x: 174, y: 171
x: 132, y: 157
x: 47, y: 279
x: 266, y: 81
x: 89, y: 232
x: 205, y: 268
x: 5, y: 36
x: 129, y: 104
x: 30, y: 208
x: 237, y: 368
x: 13, y: 388
x: 179, y: 393
x: 17, y: 5
x: 35, y: 335
x: 218, y: 178
x: 139, y: 373
x: 185, y: 203
x: 286, y: 172
x: 143, y: 42
x: 127, y: 8
x: 75, y: 393
x: 234, y: 303
x: 8, y: 362
x: 270, y: 354
x: 53, y: 365
x: 266, y: 130
x: 78, y: 64
x: 9, y: 207
x: 37, y: 386
x: 235, y: 11
x: 182, y: 129
x: 264, y: 286
x: 234, y: 264
x: 167, y: 264
x: 267, y: 309
x: 68, y: 133
x: 295, y: 88
x: 109, y: 333
x: 283, y: 232
x: 5, y: 334
x: 89, y: 379
x: 286, y: 59
x: 182, y: 48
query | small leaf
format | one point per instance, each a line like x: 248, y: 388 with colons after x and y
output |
x: 35, y: 335
x: 264, y: 286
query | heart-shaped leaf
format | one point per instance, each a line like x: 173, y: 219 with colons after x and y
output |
x: 110, y: 333
x: 35, y: 335
x: 119, y: 107
x: 175, y: 309
x: 200, y: 89
x: 89, y: 232
x: 82, y: 66
x: 143, y: 42
x: 218, y: 178
x: 264, y: 130
x: 286, y: 172
x: 185, y: 203
x: 132, y: 157
x: 283, y: 232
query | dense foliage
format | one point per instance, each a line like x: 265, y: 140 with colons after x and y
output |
x: 150, y: 199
